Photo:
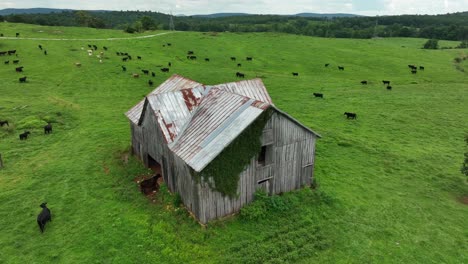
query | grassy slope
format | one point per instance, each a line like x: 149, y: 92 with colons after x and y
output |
x: 389, y: 180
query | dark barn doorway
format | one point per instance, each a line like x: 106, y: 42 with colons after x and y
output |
x: 154, y: 165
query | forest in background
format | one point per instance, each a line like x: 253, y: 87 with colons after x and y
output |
x: 448, y: 26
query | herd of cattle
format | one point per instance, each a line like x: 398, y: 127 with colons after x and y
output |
x: 146, y: 186
x: 386, y: 83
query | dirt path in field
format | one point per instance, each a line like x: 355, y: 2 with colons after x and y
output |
x: 93, y: 39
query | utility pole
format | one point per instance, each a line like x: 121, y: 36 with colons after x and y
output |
x: 376, y: 24
x: 171, y: 23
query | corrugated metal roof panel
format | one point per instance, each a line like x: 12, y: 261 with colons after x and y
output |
x: 135, y: 112
x: 174, y: 83
x: 174, y: 109
x: 251, y: 88
x: 220, y: 118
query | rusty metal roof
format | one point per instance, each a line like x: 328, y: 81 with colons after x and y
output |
x: 219, y: 119
x: 251, y: 88
x: 199, y: 121
x: 174, y: 109
x: 174, y: 83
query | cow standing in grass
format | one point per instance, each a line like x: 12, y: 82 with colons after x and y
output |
x: 44, y: 216
x: 48, y: 128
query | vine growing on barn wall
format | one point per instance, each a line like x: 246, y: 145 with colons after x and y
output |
x: 226, y: 168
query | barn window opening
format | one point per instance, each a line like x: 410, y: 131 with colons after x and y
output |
x: 261, y: 160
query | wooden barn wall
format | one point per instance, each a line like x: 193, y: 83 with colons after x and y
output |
x: 175, y: 172
x: 288, y: 166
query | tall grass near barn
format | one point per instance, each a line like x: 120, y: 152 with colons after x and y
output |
x: 390, y: 182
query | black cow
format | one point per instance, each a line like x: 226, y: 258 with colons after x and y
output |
x: 45, y: 52
x: 169, y: 64
x: 207, y: 59
x: 95, y: 47
x: 15, y: 61
x: 411, y: 66
x: 17, y: 34
x: 153, y: 74
x: 190, y: 52
x: 22, y: 79
x: 19, y: 69
x: 43, y: 217
x: 150, y: 83
x: 233, y: 58
x: 89, y: 45
x: 139, y: 57
x: 240, y: 75
x: 295, y: 74
x: 7, y: 62
x: 150, y: 185
x: 364, y: 82
x: 414, y: 71
x: 192, y: 57
x: 320, y: 95
x: 48, y: 128
x: 168, y: 44
x: 239, y: 65
x: 11, y: 52
x: 248, y: 58
x: 3, y: 53
x: 327, y: 64
x: 165, y: 69
x: 124, y: 58
x: 4, y: 122
x: 40, y: 47
x: 389, y: 87
x: 105, y: 48
x: 421, y: 68
x: 341, y: 68
x: 386, y: 82
x: 124, y: 68
x: 129, y: 57
x: 117, y: 53
x: 350, y: 115
x: 146, y: 72
x: 24, y: 135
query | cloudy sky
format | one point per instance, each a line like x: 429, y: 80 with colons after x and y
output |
x: 190, y: 7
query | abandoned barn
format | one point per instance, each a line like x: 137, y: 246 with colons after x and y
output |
x: 215, y: 145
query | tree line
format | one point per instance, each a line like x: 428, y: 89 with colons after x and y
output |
x: 449, y: 26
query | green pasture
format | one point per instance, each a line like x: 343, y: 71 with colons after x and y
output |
x: 390, y: 188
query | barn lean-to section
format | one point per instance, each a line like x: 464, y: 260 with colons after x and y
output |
x: 184, y: 126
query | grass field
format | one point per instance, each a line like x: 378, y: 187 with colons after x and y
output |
x: 390, y: 182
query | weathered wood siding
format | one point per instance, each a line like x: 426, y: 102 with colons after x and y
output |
x: 289, y: 164
x: 175, y: 172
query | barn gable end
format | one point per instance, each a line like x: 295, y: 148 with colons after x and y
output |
x: 184, y: 126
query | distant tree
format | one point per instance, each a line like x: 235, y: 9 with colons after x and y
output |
x: 138, y: 26
x: 464, y: 168
x: 129, y: 29
x: 2, y: 19
x: 431, y: 44
x: 183, y: 26
x: 463, y: 45
x: 147, y: 23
